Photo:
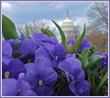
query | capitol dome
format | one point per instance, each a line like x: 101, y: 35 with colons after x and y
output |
x: 68, y: 28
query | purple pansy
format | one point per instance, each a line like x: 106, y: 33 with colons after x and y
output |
x: 6, y: 48
x: 42, y: 38
x: 41, y: 76
x: 56, y: 53
x: 12, y: 42
x: 11, y: 68
x: 75, y: 76
x: 23, y: 37
x: 85, y: 44
x: 70, y: 56
x: 13, y: 87
x: 27, y: 49
x: 104, y: 61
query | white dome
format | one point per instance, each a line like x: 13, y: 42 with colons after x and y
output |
x: 67, y: 24
x: 68, y: 28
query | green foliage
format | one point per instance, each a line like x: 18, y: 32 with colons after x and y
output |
x: 70, y: 49
x: 26, y: 32
x: 101, y: 83
x: 89, y: 62
x: 8, y: 29
x: 77, y: 44
x: 85, y: 54
x: 63, y: 38
x: 93, y: 50
x: 48, y: 32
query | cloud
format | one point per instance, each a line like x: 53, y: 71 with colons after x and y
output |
x: 6, y: 5
x: 80, y: 21
x: 56, y: 6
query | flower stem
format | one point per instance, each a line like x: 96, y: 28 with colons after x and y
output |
x: 60, y: 87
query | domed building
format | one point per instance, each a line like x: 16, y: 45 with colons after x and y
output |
x: 68, y: 29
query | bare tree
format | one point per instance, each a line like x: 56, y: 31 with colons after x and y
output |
x: 34, y: 26
x: 77, y: 31
x: 98, y: 14
x: 97, y: 30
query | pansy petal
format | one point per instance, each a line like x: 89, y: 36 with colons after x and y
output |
x: 41, y: 62
x: 49, y: 47
x: 22, y: 36
x: 70, y: 56
x: 71, y: 41
x: 44, y: 90
x: 16, y: 67
x: 72, y: 87
x: 25, y: 89
x: 6, y: 48
x: 27, y: 93
x: 43, y: 52
x: 30, y: 72
x: 78, y: 74
x: 59, y: 51
x: 65, y: 66
x: 74, y: 62
x: 8, y: 87
x: 16, y: 41
x: 6, y: 59
x: 50, y: 76
x: 27, y: 45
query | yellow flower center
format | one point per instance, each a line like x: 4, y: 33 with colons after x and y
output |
x: 56, y: 57
x: 40, y: 82
x: 19, y: 90
x: 29, y: 60
x: 74, y: 82
x: 7, y: 74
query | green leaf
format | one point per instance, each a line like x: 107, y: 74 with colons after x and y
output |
x: 48, y: 32
x: 77, y: 44
x: 70, y: 49
x: 26, y: 31
x: 8, y: 29
x: 93, y: 50
x: 80, y: 57
x: 15, y: 56
x: 93, y: 86
x: 101, y: 83
x: 89, y: 77
x: 85, y: 54
x: 63, y: 38
x: 89, y: 62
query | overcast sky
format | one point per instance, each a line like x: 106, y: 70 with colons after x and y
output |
x: 21, y: 12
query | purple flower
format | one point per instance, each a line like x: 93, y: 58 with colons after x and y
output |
x: 23, y: 37
x: 11, y: 68
x: 70, y: 56
x: 55, y: 53
x: 41, y: 76
x: 85, y: 44
x: 6, y: 48
x: 75, y: 76
x: 12, y: 42
x: 12, y: 87
x: 104, y: 61
x: 27, y: 49
x: 42, y: 38
x: 71, y: 41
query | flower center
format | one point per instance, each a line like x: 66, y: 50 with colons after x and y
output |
x: 19, y: 90
x: 7, y: 74
x: 104, y: 62
x: 56, y: 57
x: 73, y: 82
x: 67, y: 72
x: 40, y: 82
x: 29, y: 60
